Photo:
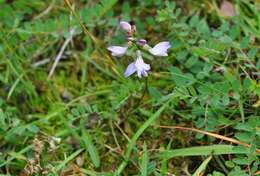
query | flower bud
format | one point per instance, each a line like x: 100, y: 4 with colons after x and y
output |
x: 141, y: 42
x: 125, y: 26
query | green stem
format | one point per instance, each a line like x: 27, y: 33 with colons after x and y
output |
x: 132, y: 142
x: 142, y: 97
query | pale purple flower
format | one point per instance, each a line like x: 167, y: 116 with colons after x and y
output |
x: 138, y: 66
x: 117, y: 50
x: 160, y: 49
x: 125, y: 26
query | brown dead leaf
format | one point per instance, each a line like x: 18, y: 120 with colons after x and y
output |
x: 227, y: 9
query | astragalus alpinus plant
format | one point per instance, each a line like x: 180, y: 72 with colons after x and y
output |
x: 139, y: 45
x: 138, y: 65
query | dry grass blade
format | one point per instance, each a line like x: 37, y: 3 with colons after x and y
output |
x: 93, y: 38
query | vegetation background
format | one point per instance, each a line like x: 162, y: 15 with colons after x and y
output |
x: 66, y: 109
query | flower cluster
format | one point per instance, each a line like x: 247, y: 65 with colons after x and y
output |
x: 138, y: 65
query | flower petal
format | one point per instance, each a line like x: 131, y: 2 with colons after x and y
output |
x: 117, y: 50
x: 140, y: 65
x: 144, y: 73
x: 160, y: 49
x: 130, y: 70
x: 125, y: 26
x: 139, y: 73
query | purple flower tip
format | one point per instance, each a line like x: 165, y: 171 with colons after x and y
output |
x: 141, y: 42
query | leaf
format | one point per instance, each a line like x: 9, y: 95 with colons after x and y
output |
x: 86, y: 138
x: 252, y: 52
x: 8, y: 160
x: 201, y: 150
x: 144, y: 161
x: 203, y: 28
x: 164, y: 162
x: 191, y: 61
x: 234, y: 32
x: 156, y: 94
x: 204, y: 51
x: 245, y: 42
x: 98, y: 10
x: 244, y: 127
x: 241, y: 161
x: 180, y: 78
x: 245, y: 136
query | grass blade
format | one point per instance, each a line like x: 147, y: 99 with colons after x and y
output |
x: 202, y: 167
x: 201, y: 150
x: 71, y: 157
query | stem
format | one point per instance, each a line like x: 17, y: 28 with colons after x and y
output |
x: 139, y: 132
x: 144, y: 91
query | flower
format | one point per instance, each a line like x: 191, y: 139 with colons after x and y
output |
x: 160, y: 49
x: 138, y: 66
x: 117, y: 50
x: 126, y: 26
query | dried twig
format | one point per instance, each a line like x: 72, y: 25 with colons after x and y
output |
x: 58, y: 57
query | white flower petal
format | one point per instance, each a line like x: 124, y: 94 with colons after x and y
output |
x: 139, y: 74
x: 160, y: 49
x: 125, y: 26
x: 117, y: 50
x: 145, y: 73
x: 140, y: 66
x: 130, y: 70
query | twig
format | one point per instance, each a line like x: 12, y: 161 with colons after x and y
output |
x: 58, y: 57
x: 85, y: 30
x: 93, y: 38
x: 46, y: 11
x: 41, y: 62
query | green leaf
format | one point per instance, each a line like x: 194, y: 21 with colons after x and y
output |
x: 234, y: 32
x: 245, y: 136
x: 86, y: 138
x: 144, y: 161
x: 180, y: 78
x: 252, y: 52
x: 201, y: 150
x: 203, y: 28
x: 229, y: 164
x: 245, y: 42
x: 98, y: 10
x: 191, y: 61
x: 241, y: 161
